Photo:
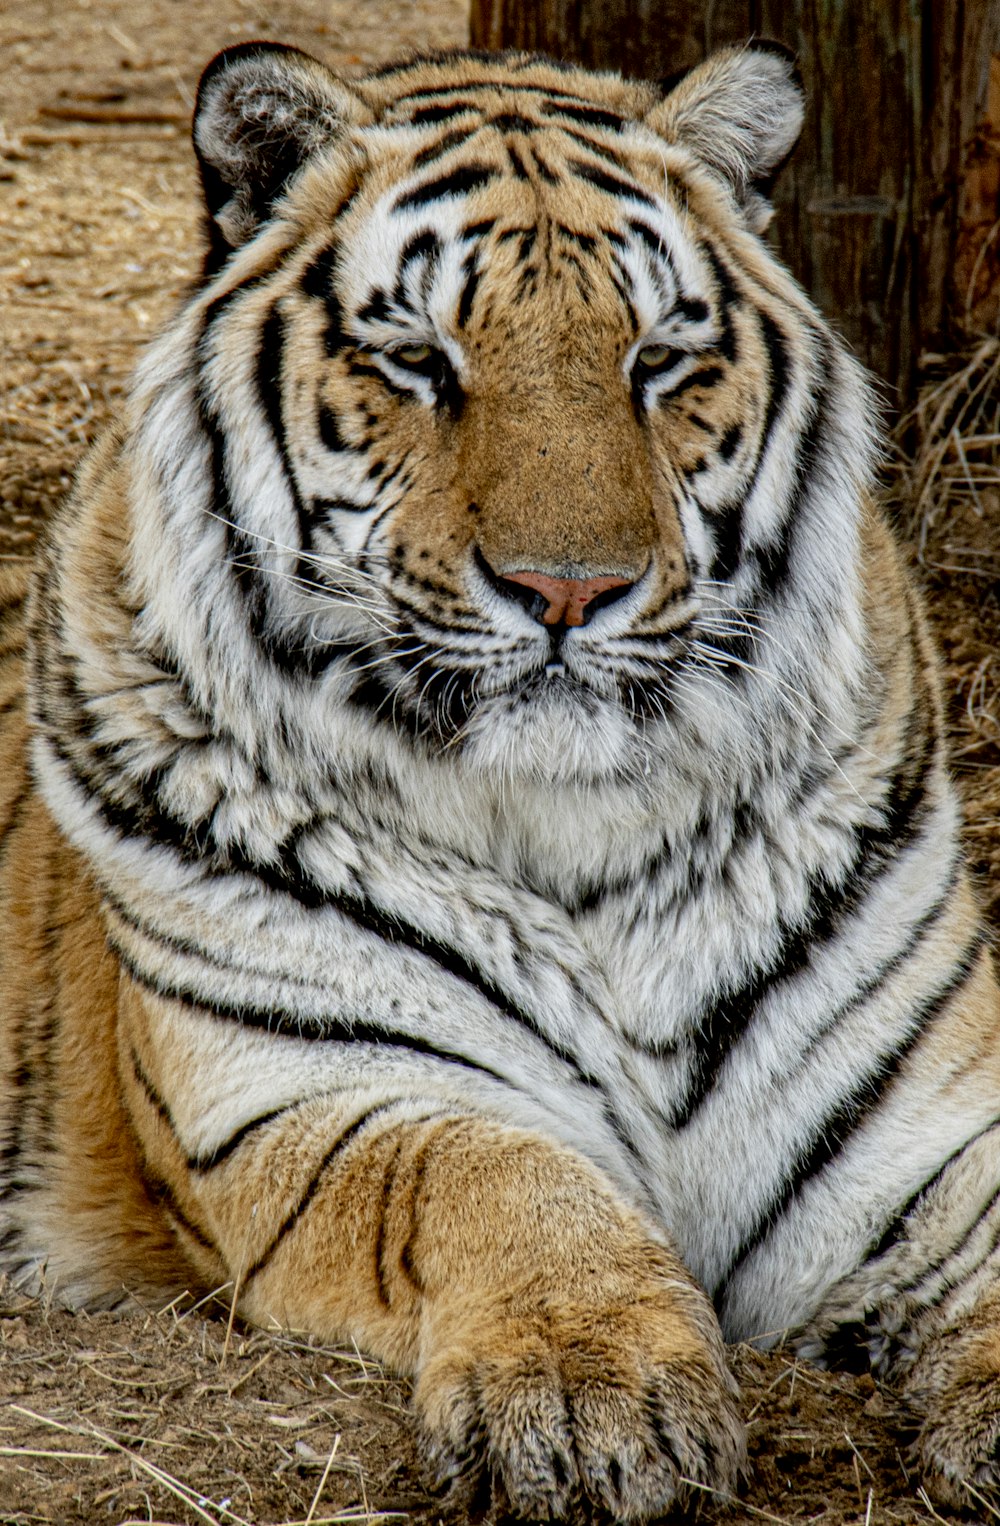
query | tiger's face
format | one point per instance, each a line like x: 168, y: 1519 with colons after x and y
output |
x: 511, y: 377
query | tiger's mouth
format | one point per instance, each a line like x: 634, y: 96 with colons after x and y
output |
x: 551, y: 719
x: 444, y: 698
x: 551, y: 725
x: 561, y: 712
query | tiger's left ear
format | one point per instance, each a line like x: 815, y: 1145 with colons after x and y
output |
x: 741, y: 112
x: 262, y: 110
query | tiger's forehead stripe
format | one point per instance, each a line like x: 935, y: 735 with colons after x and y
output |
x: 461, y: 182
x: 543, y: 139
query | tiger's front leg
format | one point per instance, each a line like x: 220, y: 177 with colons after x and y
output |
x: 555, y: 1345
x: 558, y: 1349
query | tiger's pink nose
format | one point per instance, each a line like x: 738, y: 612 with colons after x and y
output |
x: 567, y: 601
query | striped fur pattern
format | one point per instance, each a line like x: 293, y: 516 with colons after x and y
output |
x: 485, y: 986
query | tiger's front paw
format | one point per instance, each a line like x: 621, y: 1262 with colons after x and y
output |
x: 566, y: 1408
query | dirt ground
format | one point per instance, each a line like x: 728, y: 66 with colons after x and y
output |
x: 177, y: 1415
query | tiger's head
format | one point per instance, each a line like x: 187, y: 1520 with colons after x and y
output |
x: 521, y: 442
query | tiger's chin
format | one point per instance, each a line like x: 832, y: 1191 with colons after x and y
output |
x: 553, y: 732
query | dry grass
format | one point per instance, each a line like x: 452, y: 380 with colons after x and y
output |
x: 131, y: 1415
x: 949, y: 458
x: 945, y: 490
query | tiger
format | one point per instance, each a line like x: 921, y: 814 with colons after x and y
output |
x: 480, y: 871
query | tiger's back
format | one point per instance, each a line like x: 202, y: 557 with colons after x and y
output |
x: 481, y: 866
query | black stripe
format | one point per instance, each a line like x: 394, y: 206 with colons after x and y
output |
x: 725, y: 524
x: 728, y: 522
x: 622, y: 282
x: 407, y: 1264
x: 148, y: 820
x: 249, y: 580
x: 219, y: 306
x: 153, y: 1097
x: 443, y: 146
x: 692, y: 308
x: 427, y: 115
x: 376, y: 309
x: 424, y: 245
x: 270, y: 381
x: 774, y: 558
x: 317, y: 278
x: 461, y: 182
x: 203, y: 1163
x: 12, y: 1239
x: 242, y: 552
x: 12, y: 701
x: 320, y: 508
x: 707, y: 376
x: 591, y: 116
x: 585, y: 241
x: 12, y: 604
x: 517, y: 164
x: 334, y: 338
x: 470, y: 268
x: 612, y: 184
x: 777, y: 346
x: 547, y: 174
x: 329, y: 433
x: 359, y: 366
x: 318, y: 281
x: 729, y: 297
x: 162, y: 1194
x: 158, y: 1188
x: 285, y: 1024
x: 600, y: 150
x: 653, y: 243
x: 511, y: 122
x: 950, y: 1282
x: 292, y: 1218
x: 860, y: 1103
x: 396, y: 933
x: 145, y: 818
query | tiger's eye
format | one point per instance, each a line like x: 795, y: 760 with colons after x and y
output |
x: 652, y: 355
x: 413, y: 354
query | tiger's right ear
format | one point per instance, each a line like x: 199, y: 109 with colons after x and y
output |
x: 262, y: 110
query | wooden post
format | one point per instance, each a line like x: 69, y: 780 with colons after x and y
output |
x: 870, y: 210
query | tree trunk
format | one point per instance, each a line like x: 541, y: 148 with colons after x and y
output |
x: 898, y: 154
